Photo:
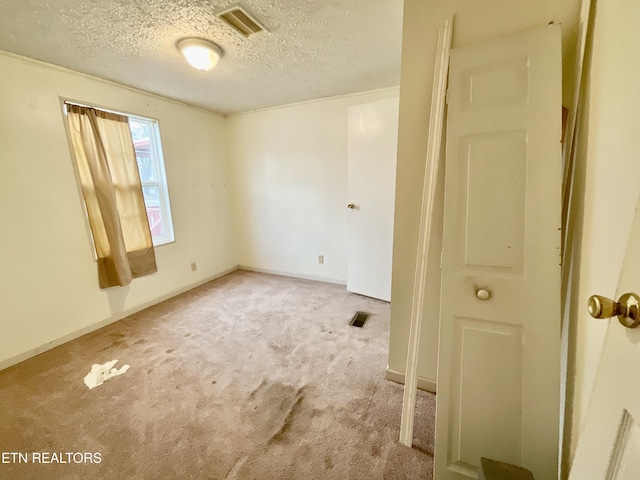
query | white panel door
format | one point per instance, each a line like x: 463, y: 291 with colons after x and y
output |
x: 372, y: 150
x: 609, y: 447
x: 499, y: 350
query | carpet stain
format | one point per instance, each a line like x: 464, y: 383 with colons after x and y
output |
x: 236, y: 467
x: 287, y: 421
x: 258, y: 388
x: 273, y: 407
x: 278, y: 348
x: 375, y: 450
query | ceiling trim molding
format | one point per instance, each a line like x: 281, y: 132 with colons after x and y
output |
x: 395, y: 88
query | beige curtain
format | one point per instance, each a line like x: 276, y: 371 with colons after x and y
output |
x: 112, y: 192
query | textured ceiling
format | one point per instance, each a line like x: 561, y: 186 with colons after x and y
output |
x: 316, y: 48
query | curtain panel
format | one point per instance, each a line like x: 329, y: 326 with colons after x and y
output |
x: 108, y: 172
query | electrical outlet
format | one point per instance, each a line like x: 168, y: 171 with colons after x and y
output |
x: 194, y: 266
x: 321, y: 259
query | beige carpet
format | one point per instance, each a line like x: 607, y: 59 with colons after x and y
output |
x: 251, y: 376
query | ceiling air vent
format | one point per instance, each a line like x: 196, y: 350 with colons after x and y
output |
x: 241, y: 21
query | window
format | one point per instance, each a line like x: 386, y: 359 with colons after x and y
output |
x: 146, y: 141
x: 148, y: 150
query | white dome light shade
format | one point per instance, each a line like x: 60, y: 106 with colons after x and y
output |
x: 201, y: 54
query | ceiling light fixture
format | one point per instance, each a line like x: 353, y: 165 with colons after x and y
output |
x: 200, y: 53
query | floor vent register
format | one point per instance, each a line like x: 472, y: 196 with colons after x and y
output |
x: 358, y: 319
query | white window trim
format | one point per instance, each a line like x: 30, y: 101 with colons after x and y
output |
x: 163, y: 187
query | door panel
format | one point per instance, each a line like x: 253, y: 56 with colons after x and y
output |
x: 372, y: 150
x: 500, y: 84
x: 609, y: 447
x: 625, y: 461
x: 487, y: 359
x: 497, y: 199
x: 499, y: 354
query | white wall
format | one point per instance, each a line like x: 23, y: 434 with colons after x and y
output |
x: 608, y: 182
x: 48, y: 279
x: 289, y: 171
x: 473, y: 21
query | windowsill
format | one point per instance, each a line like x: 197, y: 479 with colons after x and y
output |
x: 169, y: 242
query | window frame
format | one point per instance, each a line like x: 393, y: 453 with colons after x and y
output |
x: 159, y: 165
x: 157, y: 156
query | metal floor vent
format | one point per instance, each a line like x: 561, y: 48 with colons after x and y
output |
x: 358, y: 319
x: 241, y: 21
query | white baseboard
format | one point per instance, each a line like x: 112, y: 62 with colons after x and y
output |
x: 423, y: 383
x: 32, y: 352
x: 294, y: 275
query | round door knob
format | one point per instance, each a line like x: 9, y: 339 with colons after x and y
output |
x: 603, y: 307
x: 483, y: 294
x: 351, y: 206
x: 627, y: 308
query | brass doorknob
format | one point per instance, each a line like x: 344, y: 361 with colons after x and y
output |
x: 483, y: 294
x: 351, y: 206
x: 627, y: 308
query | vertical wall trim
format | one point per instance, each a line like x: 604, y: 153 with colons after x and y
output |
x: 434, y: 140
